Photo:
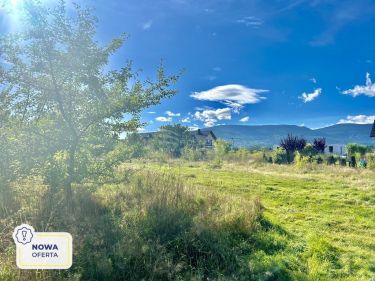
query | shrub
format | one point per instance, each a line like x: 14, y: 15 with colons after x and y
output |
x: 362, y: 163
x: 193, y: 154
x: 221, y: 149
x: 371, y: 160
x: 318, y: 159
x: 280, y: 156
x: 354, y: 149
x: 239, y: 155
x: 319, y: 144
x: 301, y: 161
x: 309, y: 150
x: 291, y: 144
x: 331, y: 159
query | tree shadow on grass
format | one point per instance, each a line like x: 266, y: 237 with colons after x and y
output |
x: 154, y: 228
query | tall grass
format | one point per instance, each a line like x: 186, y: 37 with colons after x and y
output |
x: 150, y: 227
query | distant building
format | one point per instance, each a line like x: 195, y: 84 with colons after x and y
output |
x: 339, y: 149
x: 207, y: 137
x: 373, y: 131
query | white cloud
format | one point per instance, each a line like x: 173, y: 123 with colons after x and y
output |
x: 151, y: 112
x: 194, y: 127
x: 217, y: 68
x: 245, y: 119
x: 313, y: 80
x: 171, y: 114
x: 211, y: 116
x: 251, y: 21
x: 233, y: 95
x: 141, y: 130
x: 358, y: 119
x: 367, y: 90
x: 311, y: 96
x: 147, y: 25
x: 163, y: 119
x: 186, y: 120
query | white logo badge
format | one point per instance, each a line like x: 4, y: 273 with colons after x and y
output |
x: 42, y: 250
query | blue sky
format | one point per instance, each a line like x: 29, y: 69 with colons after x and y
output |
x: 251, y: 62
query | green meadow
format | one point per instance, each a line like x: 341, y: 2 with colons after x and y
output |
x: 180, y: 220
x: 322, y: 219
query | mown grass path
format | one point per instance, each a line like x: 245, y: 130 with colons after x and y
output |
x: 328, y: 212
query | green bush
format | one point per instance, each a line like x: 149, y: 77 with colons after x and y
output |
x: 221, y: 149
x: 301, y: 161
x: 318, y: 159
x: 193, y: 154
x: 370, y: 160
x: 240, y: 155
x: 331, y: 159
x: 356, y: 149
x: 280, y: 156
x: 309, y: 151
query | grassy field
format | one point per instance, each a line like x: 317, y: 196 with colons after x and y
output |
x: 204, y: 221
x: 322, y: 218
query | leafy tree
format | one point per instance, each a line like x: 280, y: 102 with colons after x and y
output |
x: 221, y: 148
x: 172, y: 139
x: 320, y: 144
x: 309, y: 150
x: 55, y: 81
x: 280, y: 156
x: 354, y: 148
x: 292, y: 144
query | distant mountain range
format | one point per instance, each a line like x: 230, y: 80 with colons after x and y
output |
x: 269, y: 135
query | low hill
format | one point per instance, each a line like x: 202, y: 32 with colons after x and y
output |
x: 269, y: 135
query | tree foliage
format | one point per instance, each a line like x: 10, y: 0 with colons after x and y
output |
x: 292, y: 144
x: 55, y: 84
x: 173, y: 139
x: 354, y: 149
x: 319, y: 144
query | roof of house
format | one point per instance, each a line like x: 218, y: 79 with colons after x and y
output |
x: 373, y: 131
x: 205, y: 133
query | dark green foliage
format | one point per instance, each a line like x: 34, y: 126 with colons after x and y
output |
x: 309, y: 150
x: 173, y: 139
x: 331, y: 159
x: 319, y: 144
x: 292, y: 144
x: 280, y: 156
x: 343, y: 162
x: 318, y: 159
